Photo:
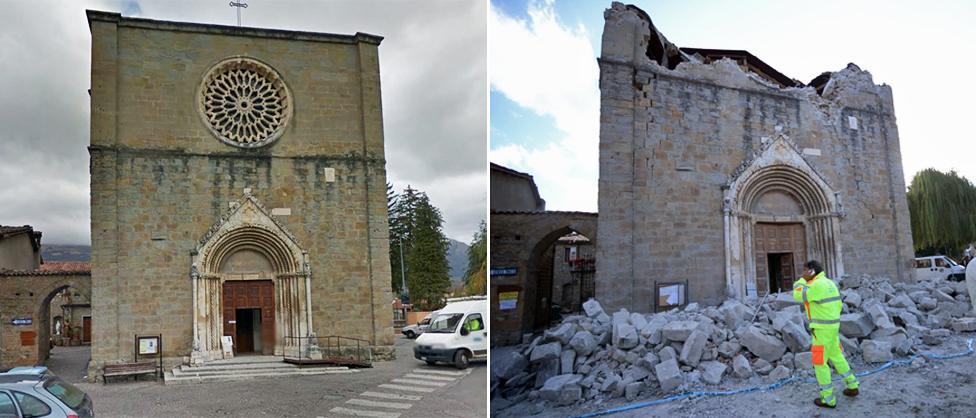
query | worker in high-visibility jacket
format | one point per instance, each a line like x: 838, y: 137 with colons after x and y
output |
x: 822, y: 303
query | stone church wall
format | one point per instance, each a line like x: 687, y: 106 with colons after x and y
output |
x: 671, y: 139
x: 161, y: 179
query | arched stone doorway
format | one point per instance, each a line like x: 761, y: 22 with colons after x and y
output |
x: 249, y: 268
x: 778, y: 213
x: 543, y: 286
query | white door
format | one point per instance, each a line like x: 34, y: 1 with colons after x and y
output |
x: 477, y: 338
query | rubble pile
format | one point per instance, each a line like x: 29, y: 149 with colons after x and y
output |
x: 595, y: 356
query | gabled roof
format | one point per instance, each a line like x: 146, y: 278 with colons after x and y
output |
x: 539, y: 202
x: 11, y: 231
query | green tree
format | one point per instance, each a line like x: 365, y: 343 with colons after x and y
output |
x: 401, y: 209
x: 428, y: 275
x: 943, y: 212
x: 476, y: 275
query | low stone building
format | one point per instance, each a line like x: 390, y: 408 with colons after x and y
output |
x: 719, y: 171
x: 20, y: 248
x: 523, y: 238
x: 238, y: 188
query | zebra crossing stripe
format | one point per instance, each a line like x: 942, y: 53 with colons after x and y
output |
x: 391, y: 405
x: 430, y: 377
x: 443, y: 372
x: 407, y: 388
x: 419, y: 382
x: 391, y: 396
x: 361, y: 413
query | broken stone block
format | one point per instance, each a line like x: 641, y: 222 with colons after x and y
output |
x: 943, y: 296
x: 624, y: 335
x: 545, y: 352
x: 678, y: 330
x: 636, y: 374
x: 610, y: 383
x: 545, y: 371
x: 652, y: 331
x: 893, y: 336
x: 728, y: 349
x: 648, y: 361
x: 878, y: 315
x: 853, y: 299
x: 667, y: 353
x: 918, y: 295
x: 964, y: 324
x: 875, y: 351
x: 855, y: 325
x: 849, y: 345
x: 669, y: 375
x: 762, y: 366
x: 741, y: 367
x: 691, y: 352
x: 563, y: 333
x: 713, y: 371
x: 927, y: 304
x: 583, y: 343
x: 592, y: 308
x: 780, y: 372
x: 904, y: 348
x: 507, y: 363
x: 902, y: 301
x: 563, y: 389
x: 796, y: 338
x: 803, y: 361
x: 638, y: 321
x: 633, y: 390
x: 764, y: 346
x: 566, y: 359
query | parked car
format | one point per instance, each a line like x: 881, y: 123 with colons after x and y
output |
x: 938, y: 266
x: 414, y: 331
x: 456, y: 335
x: 36, y: 392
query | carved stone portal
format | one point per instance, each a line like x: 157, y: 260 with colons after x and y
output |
x: 248, y: 244
x: 776, y: 175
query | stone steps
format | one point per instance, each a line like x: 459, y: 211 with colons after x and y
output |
x: 243, y: 370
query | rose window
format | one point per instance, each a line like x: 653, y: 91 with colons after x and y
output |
x: 244, y: 103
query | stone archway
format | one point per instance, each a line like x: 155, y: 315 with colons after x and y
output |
x: 777, y: 172
x: 248, y: 244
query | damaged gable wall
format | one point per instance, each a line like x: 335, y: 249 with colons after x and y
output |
x: 672, y: 142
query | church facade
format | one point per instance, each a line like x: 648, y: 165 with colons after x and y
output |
x: 720, y: 176
x: 238, y: 187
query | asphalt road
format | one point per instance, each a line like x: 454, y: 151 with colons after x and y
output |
x: 409, y: 388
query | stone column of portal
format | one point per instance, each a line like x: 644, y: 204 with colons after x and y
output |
x: 314, y: 352
x: 196, y: 357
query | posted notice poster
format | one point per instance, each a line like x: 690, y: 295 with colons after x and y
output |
x: 507, y: 300
x: 148, y: 345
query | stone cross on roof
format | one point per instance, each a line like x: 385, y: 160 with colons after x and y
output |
x: 239, y: 4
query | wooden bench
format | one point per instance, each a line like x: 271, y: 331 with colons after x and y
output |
x: 129, y: 369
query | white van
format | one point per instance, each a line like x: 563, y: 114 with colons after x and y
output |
x: 938, y: 266
x: 457, y: 335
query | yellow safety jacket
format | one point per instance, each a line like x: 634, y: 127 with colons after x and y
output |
x: 821, y: 301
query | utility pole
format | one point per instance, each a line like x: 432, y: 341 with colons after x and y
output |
x: 403, y: 274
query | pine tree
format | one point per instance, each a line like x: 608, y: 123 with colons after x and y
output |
x: 429, y: 273
x: 476, y: 276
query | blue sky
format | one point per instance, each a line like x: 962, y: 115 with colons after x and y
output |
x: 543, y: 71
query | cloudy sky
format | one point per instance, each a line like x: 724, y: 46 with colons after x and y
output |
x: 545, y: 100
x: 432, y: 63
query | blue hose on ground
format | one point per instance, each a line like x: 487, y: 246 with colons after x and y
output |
x: 638, y: 405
